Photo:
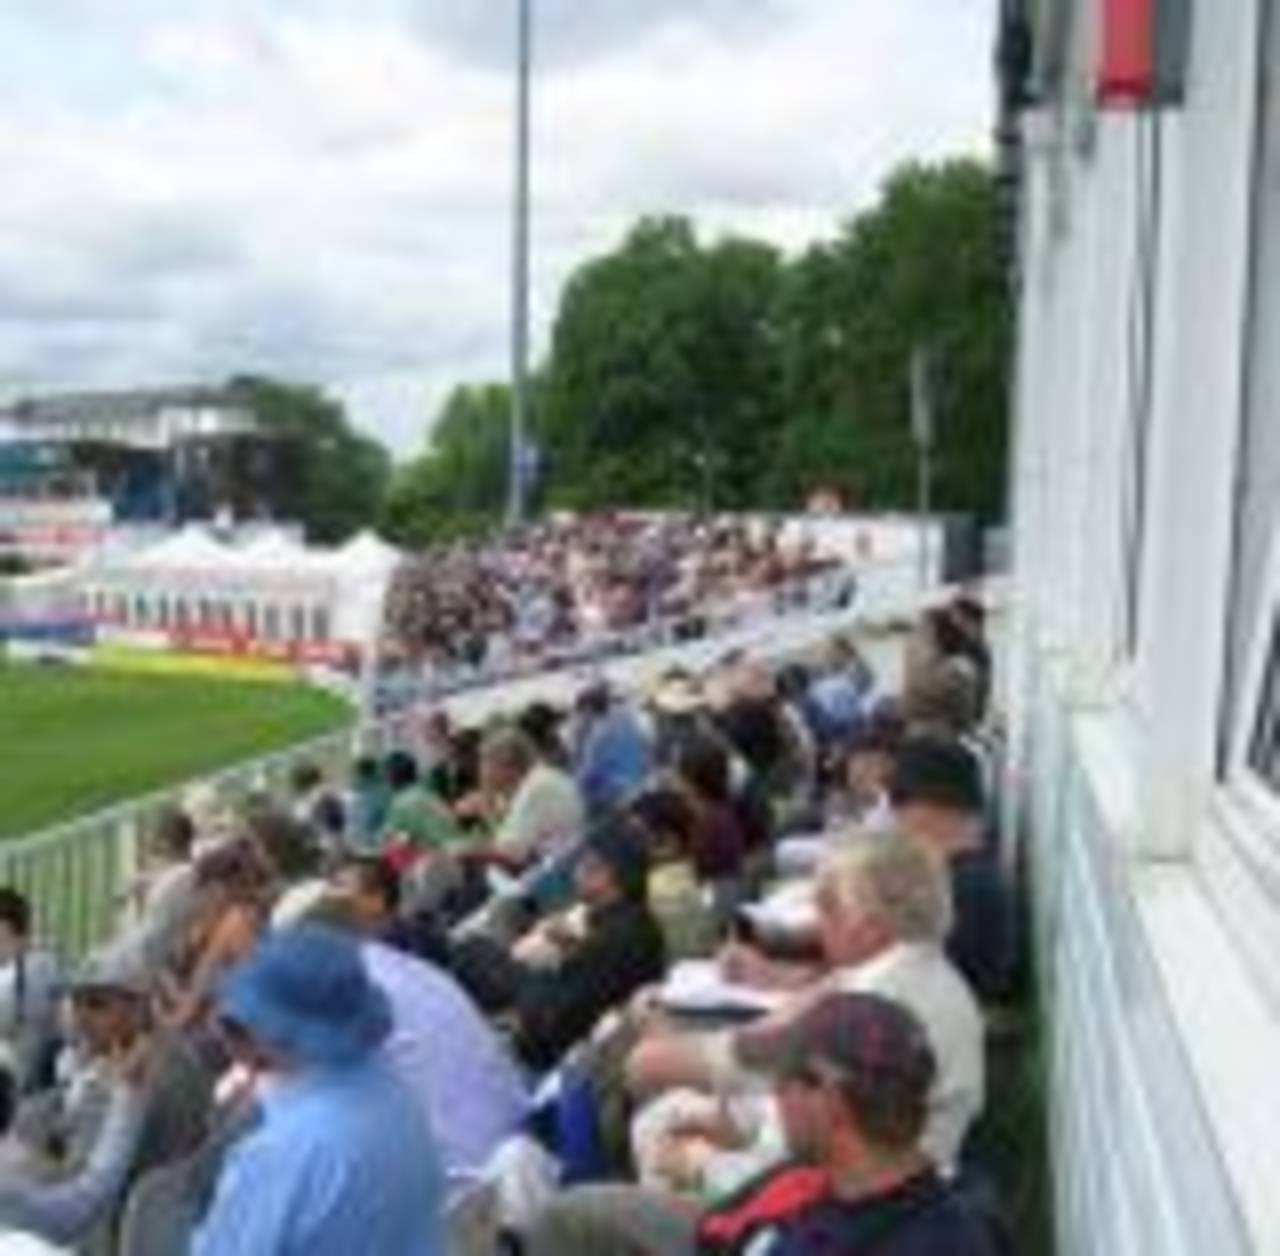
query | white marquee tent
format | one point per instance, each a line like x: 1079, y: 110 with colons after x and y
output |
x: 271, y: 595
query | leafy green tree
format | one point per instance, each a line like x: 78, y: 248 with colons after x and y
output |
x: 921, y: 268
x: 722, y: 375
x: 339, y: 476
x: 458, y: 485
x: 661, y: 371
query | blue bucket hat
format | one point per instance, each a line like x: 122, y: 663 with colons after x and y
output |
x: 304, y: 992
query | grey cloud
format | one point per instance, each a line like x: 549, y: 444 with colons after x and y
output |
x: 321, y: 189
x: 157, y: 246
x: 24, y: 302
x: 568, y: 32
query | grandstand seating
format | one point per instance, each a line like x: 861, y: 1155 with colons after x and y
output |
x: 720, y: 687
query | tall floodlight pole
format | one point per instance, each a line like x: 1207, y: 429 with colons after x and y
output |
x: 520, y: 272
x: 923, y: 419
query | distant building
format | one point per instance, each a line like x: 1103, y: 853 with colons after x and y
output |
x: 159, y: 418
x: 76, y: 465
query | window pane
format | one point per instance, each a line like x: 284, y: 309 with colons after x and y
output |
x: 1258, y: 473
x: 1264, y: 746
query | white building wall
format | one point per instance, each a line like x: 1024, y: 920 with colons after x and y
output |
x: 1154, y: 929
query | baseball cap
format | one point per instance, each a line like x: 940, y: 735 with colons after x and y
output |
x: 116, y: 969
x: 937, y: 770
x: 865, y: 1040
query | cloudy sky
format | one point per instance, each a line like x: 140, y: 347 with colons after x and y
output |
x: 320, y: 188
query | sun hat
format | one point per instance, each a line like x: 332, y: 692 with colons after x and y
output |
x: 304, y: 992
x: 116, y: 969
x: 678, y: 693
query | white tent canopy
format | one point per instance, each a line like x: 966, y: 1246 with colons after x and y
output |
x: 367, y: 553
x: 272, y: 592
x: 276, y: 551
x: 193, y: 547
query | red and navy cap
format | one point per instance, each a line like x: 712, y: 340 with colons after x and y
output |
x: 859, y: 1038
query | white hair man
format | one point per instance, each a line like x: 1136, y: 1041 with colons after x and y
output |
x: 884, y: 913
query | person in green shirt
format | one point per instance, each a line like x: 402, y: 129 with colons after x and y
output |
x: 417, y: 821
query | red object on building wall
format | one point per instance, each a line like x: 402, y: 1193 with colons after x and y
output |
x: 1127, y: 73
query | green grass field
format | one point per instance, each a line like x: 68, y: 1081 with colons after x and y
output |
x: 73, y: 741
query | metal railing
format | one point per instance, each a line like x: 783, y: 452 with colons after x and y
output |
x: 76, y: 874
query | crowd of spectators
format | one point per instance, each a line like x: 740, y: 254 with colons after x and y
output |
x: 698, y: 970
x: 564, y: 588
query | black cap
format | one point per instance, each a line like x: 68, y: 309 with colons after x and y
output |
x: 622, y: 848
x: 939, y: 771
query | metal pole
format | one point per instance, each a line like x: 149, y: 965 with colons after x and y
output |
x: 520, y: 272
x: 922, y: 432
x: 924, y: 506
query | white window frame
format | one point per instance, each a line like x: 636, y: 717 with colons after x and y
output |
x: 1250, y: 805
x: 1242, y: 779
x: 1239, y: 854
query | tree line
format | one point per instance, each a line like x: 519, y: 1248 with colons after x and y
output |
x: 725, y: 375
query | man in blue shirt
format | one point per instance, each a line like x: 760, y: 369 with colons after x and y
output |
x: 343, y: 1161
x: 615, y: 757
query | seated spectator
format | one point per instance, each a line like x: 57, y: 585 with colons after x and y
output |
x: 852, y: 1078
x: 615, y: 757
x: 675, y: 897
x: 455, y: 772
x: 861, y: 791
x: 542, y: 723
x: 883, y: 915
x: 366, y: 806
x: 212, y: 816
x: 838, y: 695
x: 431, y: 735
x: 168, y: 889
x: 289, y: 850
x: 937, y: 797
x: 680, y: 715
x: 316, y: 806
x: 233, y: 897
x: 797, y: 779
x: 969, y: 617
x: 417, y: 821
x: 28, y: 999
x: 944, y: 700
x: 342, y: 1161
x: 371, y: 887
x: 953, y: 633
x: 62, y: 1210
x: 536, y: 807
x: 580, y: 965
x: 58, y: 1134
x: 449, y: 1057
x: 716, y: 843
x: 752, y: 722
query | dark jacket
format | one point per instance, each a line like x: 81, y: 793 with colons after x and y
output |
x: 622, y: 952
x: 981, y: 944
x: 795, y: 1207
